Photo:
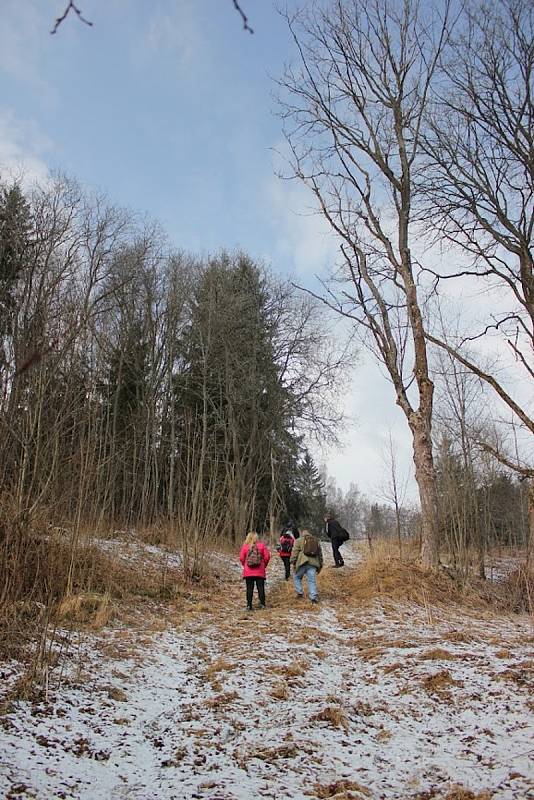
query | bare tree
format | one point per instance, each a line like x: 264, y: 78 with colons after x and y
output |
x: 479, y: 183
x: 395, y: 487
x: 353, y: 113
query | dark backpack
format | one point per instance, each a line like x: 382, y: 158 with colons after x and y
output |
x: 346, y: 535
x: 254, y: 556
x: 310, y: 546
x: 286, y: 545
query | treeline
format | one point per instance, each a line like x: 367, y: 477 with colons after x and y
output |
x: 481, y: 506
x: 140, y: 383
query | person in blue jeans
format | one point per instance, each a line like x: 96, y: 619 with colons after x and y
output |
x: 307, y: 559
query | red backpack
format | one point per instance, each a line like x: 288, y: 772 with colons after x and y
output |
x: 286, y: 543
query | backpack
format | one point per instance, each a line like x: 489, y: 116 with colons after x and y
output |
x: 346, y: 535
x: 310, y: 546
x: 254, y: 556
x: 286, y: 545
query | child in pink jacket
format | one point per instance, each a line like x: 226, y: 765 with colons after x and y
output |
x: 254, y: 556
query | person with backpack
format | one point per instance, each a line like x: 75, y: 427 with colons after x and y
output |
x: 284, y: 547
x: 337, y: 536
x: 254, y: 557
x: 307, y: 558
x: 292, y: 529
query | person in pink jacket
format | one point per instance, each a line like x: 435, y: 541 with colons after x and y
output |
x: 254, y: 556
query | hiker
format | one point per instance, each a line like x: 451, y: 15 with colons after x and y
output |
x: 284, y: 547
x: 292, y: 529
x: 254, y: 556
x: 307, y: 557
x: 337, y: 536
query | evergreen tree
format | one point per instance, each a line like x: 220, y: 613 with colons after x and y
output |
x: 15, y: 241
x: 230, y: 387
x: 309, y: 495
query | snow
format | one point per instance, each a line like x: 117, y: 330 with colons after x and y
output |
x: 132, y: 552
x: 294, y: 702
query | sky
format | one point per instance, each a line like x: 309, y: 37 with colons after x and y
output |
x: 169, y: 107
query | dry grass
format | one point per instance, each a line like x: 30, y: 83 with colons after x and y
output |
x: 383, y: 575
x: 518, y: 590
x: 219, y: 665
x: 440, y: 682
x: 269, y: 754
x: 459, y: 637
x: 296, y: 669
x: 459, y: 793
x: 341, y: 790
x: 333, y: 715
x: 89, y: 608
x: 117, y: 694
x: 522, y: 676
x: 54, y: 576
x: 280, y: 691
x: 221, y: 700
x: 437, y: 654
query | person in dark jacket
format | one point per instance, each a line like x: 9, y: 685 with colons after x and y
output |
x: 292, y: 529
x: 285, y: 546
x: 335, y: 533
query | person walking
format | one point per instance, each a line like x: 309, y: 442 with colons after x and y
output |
x: 307, y: 557
x: 254, y: 556
x: 292, y: 529
x: 285, y: 546
x: 337, y: 536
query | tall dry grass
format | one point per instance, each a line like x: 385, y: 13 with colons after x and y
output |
x: 59, y: 579
x: 384, y: 574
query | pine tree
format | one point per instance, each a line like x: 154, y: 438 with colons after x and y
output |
x: 15, y: 241
x: 312, y: 494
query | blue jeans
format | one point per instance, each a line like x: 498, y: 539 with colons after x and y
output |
x: 311, y: 574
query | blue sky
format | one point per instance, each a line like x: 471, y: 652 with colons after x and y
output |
x: 167, y: 106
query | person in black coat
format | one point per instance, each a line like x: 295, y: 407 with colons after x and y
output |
x: 336, y: 534
x: 292, y: 529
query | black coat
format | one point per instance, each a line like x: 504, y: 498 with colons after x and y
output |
x: 334, y: 531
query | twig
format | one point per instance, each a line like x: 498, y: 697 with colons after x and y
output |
x: 246, y: 26
x: 71, y: 7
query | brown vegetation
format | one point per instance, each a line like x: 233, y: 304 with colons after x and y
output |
x: 341, y: 790
x: 383, y: 575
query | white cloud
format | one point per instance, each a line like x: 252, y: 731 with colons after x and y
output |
x: 178, y: 31
x: 21, y: 148
x: 303, y: 239
x: 370, y: 401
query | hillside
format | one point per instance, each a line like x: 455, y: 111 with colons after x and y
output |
x: 351, y: 699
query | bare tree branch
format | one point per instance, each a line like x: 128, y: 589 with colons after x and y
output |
x: 246, y: 26
x: 70, y: 7
x: 73, y: 7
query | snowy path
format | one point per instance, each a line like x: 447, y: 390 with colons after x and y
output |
x: 295, y: 702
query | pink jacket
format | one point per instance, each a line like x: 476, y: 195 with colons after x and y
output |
x: 254, y: 572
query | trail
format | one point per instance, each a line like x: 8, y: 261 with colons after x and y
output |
x: 293, y: 702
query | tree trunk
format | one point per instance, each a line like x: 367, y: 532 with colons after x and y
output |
x: 426, y: 481
x: 530, y: 534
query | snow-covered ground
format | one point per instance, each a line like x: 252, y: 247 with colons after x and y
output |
x: 298, y: 701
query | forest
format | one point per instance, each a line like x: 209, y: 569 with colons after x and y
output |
x: 146, y: 387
